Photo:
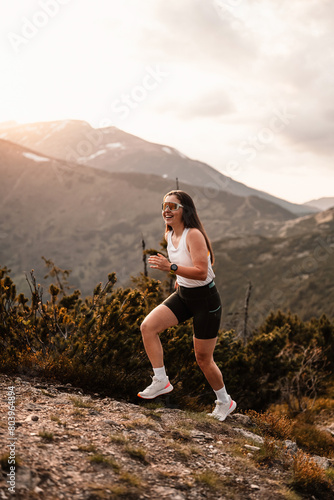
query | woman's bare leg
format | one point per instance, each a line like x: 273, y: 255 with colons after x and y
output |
x: 156, y: 322
x: 204, y: 356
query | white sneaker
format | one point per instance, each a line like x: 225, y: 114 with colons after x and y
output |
x: 157, y: 388
x: 223, y: 409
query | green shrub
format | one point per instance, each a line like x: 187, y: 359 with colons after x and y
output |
x: 95, y: 343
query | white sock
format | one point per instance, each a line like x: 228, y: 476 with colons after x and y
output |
x: 160, y: 373
x: 222, y: 395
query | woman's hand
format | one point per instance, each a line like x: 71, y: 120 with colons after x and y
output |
x: 159, y: 262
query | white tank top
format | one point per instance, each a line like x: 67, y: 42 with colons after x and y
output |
x: 181, y: 256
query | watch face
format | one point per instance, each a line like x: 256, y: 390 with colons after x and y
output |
x: 173, y: 267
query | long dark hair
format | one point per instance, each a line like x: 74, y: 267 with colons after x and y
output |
x: 190, y: 216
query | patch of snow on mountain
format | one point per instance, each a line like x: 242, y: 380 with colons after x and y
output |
x: 94, y: 155
x: 34, y: 157
x: 115, y: 145
x: 3, y: 135
x: 165, y: 176
x: 167, y: 150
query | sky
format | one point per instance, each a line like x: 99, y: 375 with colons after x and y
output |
x: 245, y: 86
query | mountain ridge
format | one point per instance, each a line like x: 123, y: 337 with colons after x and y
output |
x: 321, y: 203
x: 112, y: 149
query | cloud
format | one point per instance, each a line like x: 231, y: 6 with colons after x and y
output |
x: 313, y: 131
x: 193, y: 32
x: 211, y: 104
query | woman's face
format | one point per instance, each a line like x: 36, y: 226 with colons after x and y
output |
x: 172, y: 217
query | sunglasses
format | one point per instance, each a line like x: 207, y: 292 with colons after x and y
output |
x: 171, y: 206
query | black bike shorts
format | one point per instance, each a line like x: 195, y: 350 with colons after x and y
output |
x: 200, y: 303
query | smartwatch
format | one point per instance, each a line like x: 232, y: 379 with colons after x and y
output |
x: 173, y: 268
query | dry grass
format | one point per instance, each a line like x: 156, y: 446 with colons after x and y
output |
x: 105, y: 461
x: 80, y: 403
x: 309, y: 477
x: 54, y: 418
x: 313, y: 440
x: 144, y: 422
x: 47, y: 436
x: 5, y: 466
x: 131, y: 479
x: 186, y: 451
x: 272, y: 424
x: 137, y: 453
x: 209, y: 478
x: 118, y: 439
x: 270, y: 452
x: 88, y: 448
x: 77, y: 413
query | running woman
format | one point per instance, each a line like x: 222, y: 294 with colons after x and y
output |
x: 196, y: 296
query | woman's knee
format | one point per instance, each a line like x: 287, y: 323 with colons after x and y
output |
x: 203, y: 360
x: 146, y: 329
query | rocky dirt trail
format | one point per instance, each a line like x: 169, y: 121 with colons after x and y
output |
x: 71, y: 445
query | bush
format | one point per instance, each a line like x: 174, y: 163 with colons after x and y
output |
x: 313, y: 440
x: 272, y: 424
x: 96, y: 343
x: 308, y: 477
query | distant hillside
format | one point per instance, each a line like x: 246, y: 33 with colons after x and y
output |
x: 92, y: 221
x: 293, y: 269
x: 114, y: 150
x: 321, y: 203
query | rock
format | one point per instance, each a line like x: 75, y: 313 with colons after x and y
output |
x: 323, y: 462
x: 162, y: 492
x: 251, y: 448
x: 201, y: 436
x: 291, y: 446
x: 94, y: 412
x: 30, y: 418
x: 241, y: 419
x: 250, y: 435
x: 255, y: 487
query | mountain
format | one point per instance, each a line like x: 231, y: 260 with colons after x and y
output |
x: 8, y: 124
x: 290, y: 269
x: 92, y: 221
x: 114, y: 150
x: 321, y: 203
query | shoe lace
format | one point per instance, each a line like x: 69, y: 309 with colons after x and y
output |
x: 154, y: 381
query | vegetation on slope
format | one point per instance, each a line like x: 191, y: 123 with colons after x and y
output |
x: 283, y: 368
